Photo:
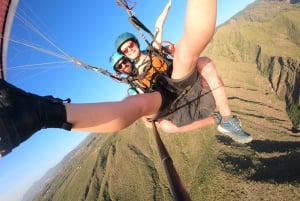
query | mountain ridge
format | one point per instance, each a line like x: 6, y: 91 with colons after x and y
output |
x: 243, y: 39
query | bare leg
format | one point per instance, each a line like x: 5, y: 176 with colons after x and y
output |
x: 199, y: 28
x: 112, y: 116
x: 168, y: 127
x: 228, y: 124
x: 208, y: 70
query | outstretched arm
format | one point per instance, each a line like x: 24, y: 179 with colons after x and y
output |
x: 112, y: 116
x: 199, y: 27
x: 159, y: 25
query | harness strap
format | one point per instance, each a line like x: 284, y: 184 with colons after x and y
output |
x: 171, y: 91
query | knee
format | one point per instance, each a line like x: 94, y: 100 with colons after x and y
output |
x: 206, y: 67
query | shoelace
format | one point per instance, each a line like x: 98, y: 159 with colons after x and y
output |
x: 235, y: 125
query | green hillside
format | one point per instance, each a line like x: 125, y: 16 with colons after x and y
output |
x: 126, y: 165
x: 266, y: 33
x: 273, y: 26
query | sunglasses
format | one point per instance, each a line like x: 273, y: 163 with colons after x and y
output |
x: 119, y: 66
x: 126, y: 50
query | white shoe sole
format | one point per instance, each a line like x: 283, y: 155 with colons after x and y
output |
x: 232, y: 136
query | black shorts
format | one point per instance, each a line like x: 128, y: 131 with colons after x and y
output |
x: 186, y: 100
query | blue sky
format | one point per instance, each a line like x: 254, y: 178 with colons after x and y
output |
x: 85, y: 31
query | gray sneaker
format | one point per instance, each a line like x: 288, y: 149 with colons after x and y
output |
x: 232, y: 128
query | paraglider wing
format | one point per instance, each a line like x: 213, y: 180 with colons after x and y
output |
x: 7, y: 12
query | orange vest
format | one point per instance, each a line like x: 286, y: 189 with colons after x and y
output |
x: 158, y: 64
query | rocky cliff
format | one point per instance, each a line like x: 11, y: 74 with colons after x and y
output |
x: 284, y: 76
